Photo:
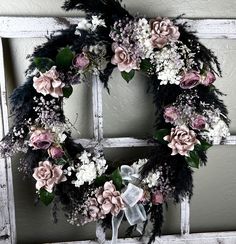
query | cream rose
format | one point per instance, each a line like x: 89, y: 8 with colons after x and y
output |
x: 48, y: 175
x: 49, y: 83
x: 181, y: 140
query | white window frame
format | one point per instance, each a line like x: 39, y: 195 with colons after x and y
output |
x: 33, y: 27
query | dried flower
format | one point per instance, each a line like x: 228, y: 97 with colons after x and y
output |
x: 81, y: 61
x: 48, y: 175
x: 41, y: 139
x: 190, y: 79
x: 181, y: 140
x: 49, y: 83
x: 198, y: 122
x: 55, y: 152
x: 171, y: 114
x: 208, y: 78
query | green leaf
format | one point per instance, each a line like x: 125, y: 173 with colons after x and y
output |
x: 43, y: 64
x: 117, y: 179
x: 160, y: 134
x: 61, y: 161
x: 64, y: 58
x: 45, y: 196
x: 67, y: 91
x: 100, y: 181
x: 128, y: 76
x: 145, y: 65
x: 204, y: 146
x: 193, y: 160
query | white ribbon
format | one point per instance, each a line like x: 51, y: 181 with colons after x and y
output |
x: 134, y: 212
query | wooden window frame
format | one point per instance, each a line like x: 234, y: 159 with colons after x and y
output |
x: 33, y: 27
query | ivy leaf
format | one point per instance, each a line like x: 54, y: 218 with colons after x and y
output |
x: 128, y: 76
x: 160, y: 134
x: 193, y: 160
x: 64, y: 58
x: 43, y: 64
x: 117, y: 179
x: 100, y: 181
x: 67, y: 91
x: 145, y: 65
x: 45, y: 196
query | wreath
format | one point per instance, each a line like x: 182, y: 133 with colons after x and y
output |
x: 190, y: 117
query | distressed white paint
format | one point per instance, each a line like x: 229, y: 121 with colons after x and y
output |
x: 201, y: 238
x: 11, y: 27
x: 7, y: 210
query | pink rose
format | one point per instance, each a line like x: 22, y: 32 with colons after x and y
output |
x: 171, y: 114
x: 49, y: 83
x: 157, y: 198
x: 55, y: 152
x: 190, y: 79
x: 41, y: 139
x: 94, y: 210
x: 48, y: 175
x: 163, y: 30
x: 198, y: 122
x: 208, y: 78
x: 110, y: 199
x: 181, y: 140
x: 123, y: 59
x: 81, y: 61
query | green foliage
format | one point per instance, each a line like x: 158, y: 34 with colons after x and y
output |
x: 64, y: 58
x: 117, y: 179
x: 45, y: 196
x: 43, y: 64
x: 160, y: 134
x: 204, y: 146
x: 145, y: 65
x: 67, y: 91
x: 100, y: 181
x: 128, y: 76
x: 193, y: 160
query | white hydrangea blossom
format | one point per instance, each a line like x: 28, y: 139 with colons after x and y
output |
x: 142, y: 32
x: 89, y: 170
x: 152, y: 178
x: 170, y: 62
x: 217, y: 132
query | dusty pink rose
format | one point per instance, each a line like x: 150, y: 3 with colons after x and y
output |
x: 163, y: 30
x: 110, y: 199
x: 41, y: 139
x: 81, y: 61
x: 94, y: 210
x: 157, y: 198
x: 123, y: 59
x: 171, y: 114
x: 181, y: 140
x: 208, y: 78
x: 49, y: 83
x: 55, y: 152
x: 48, y: 175
x: 190, y: 79
x: 198, y: 122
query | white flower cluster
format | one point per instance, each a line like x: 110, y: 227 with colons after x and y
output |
x: 171, y: 61
x: 217, y: 132
x: 89, y: 170
x: 152, y: 178
x: 142, y: 32
x: 91, y: 24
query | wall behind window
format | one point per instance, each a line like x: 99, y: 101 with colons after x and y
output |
x: 213, y: 204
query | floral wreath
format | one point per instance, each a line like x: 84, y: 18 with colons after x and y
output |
x: 190, y: 117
